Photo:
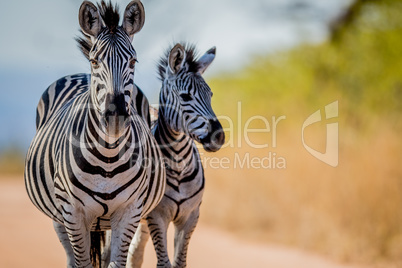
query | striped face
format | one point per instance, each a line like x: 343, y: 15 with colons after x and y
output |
x: 189, y: 99
x: 113, y: 59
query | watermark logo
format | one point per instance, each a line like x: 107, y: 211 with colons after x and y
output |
x: 256, y: 133
x: 330, y: 156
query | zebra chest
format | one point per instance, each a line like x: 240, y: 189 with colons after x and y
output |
x: 99, y: 194
x: 98, y: 186
x: 183, y: 188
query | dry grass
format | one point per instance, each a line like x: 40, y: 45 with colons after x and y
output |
x: 352, y: 212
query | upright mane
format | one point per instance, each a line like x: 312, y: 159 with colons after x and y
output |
x: 191, y: 60
x: 110, y: 17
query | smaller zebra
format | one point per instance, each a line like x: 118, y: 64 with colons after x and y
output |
x: 185, y: 115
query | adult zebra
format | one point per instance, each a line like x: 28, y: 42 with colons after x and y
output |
x: 93, y: 164
x: 185, y: 114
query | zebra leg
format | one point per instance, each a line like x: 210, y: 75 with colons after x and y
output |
x: 80, y: 238
x: 137, y: 246
x: 124, y: 225
x: 158, y: 225
x: 106, y: 250
x: 184, y: 228
x: 65, y: 241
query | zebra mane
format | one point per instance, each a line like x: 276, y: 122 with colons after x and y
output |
x: 84, y: 44
x: 110, y: 17
x: 191, y: 60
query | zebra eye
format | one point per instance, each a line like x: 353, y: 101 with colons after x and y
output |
x: 186, y: 97
x: 94, y: 63
x: 132, y: 63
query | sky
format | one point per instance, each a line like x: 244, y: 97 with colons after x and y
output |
x: 37, y: 44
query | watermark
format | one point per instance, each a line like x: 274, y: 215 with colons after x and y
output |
x: 243, y: 131
x: 270, y: 126
x: 244, y: 161
x: 239, y: 131
x: 330, y: 156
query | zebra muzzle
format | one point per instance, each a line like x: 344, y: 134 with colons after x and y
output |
x: 215, y: 138
x: 116, y: 117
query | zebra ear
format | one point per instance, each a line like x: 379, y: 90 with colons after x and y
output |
x: 176, y: 58
x: 89, y: 19
x: 206, y: 59
x: 134, y: 18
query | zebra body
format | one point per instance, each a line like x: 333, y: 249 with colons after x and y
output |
x: 93, y: 164
x: 185, y: 115
x: 58, y: 94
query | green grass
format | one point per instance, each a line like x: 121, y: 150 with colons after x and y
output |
x: 362, y: 70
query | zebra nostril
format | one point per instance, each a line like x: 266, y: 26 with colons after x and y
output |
x: 116, y: 106
x: 220, y: 137
x: 109, y: 113
x: 216, y: 132
x: 111, y: 110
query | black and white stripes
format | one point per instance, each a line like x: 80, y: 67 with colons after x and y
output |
x: 93, y: 164
x: 185, y: 115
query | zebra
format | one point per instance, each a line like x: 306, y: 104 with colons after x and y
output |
x: 93, y: 164
x: 185, y: 115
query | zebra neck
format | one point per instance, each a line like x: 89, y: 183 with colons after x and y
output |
x: 177, y: 148
x: 170, y: 137
x: 97, y: 140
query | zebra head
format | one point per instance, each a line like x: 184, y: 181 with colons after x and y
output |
x: 186, y: 96
x: 109, y: 50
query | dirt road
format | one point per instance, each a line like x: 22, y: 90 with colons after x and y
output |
x: 27, y: 239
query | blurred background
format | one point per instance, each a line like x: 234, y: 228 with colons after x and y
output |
x: 276, y: 58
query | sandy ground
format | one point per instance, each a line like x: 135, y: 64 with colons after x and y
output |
x: 27, y: 239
